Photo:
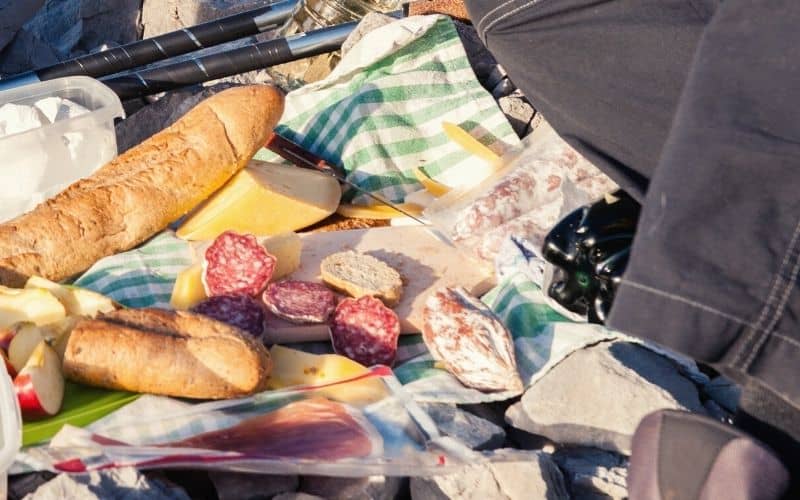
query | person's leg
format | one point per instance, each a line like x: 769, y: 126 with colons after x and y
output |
x: 606, y: 74
x: 716, y: 259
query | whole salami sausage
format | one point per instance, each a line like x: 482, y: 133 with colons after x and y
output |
x: 365, y: 331
x: 236, y: 264
x: 300, y: 301
x: 241, y: 311
x: 464, y: 334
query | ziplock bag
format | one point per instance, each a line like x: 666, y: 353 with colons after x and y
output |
x: 361, y: 426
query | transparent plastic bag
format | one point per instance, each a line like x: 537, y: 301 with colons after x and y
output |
x: 543, y: 179
x: 365, y: 425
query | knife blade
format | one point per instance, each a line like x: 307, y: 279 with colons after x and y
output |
x: 301, y: 157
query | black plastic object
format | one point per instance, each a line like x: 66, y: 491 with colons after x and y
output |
x: 164, y: 46
x: 230, y: 62
x: 590, y: 249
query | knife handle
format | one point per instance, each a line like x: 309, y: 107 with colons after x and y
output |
x: 298, y: 155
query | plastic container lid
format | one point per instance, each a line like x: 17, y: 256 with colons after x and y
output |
x: 10, y: 423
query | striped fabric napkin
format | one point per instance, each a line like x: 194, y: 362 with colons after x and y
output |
x: 379, y: 114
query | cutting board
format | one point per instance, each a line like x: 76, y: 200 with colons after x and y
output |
x: 425, y: 263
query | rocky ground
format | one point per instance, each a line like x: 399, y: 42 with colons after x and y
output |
x: 566, y: 437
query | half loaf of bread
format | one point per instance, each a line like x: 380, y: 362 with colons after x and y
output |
x: 172, y: 353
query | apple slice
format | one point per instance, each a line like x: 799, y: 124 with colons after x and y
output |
x: 12, y: 372
x: 29, y: 335
x: 77, y: 301
x: 40, y: 384
x: 6, y: 334
x: 23, y: 344
x: 35, y: 305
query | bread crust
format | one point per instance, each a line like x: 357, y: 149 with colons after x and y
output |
x: 142, y: 191
x: 172, y: 353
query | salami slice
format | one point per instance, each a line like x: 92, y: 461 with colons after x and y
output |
x: 300, y: 301
x: 241, y: 311
x: 365, y: 331
x: 236, y: 264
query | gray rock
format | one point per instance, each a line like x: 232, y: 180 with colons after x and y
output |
x: 515, y: 475
x: 163, y: 16
x: 473, y: 431
x: 25, y: 52
x: 481, y: 60
x: 111, y: 22
x: 346, y: 488
x: 518, y: 111
x: 725, y: 392
x: 240, y: 486
x: 493, y: 412
x: 13, y: 15
x: 58, y: 24
x: 597, y: 396
x: 594, y: 473
x: 296, y: 496
x: 116, y: 484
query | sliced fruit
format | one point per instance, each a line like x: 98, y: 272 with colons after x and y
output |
x: 12, y: 372
x: 435, y: 188
x: 291, y: 367
x: 77, y: 301
x: 471, y: 144
x: 188, y: 290
x: 40, y: 384
x: 377, y: 211
x: 264, y: 199
x: 6, y: 334
x: 29, y: 304
x: 29, y: 335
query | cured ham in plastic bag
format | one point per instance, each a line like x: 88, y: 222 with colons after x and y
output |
x: 300, y: 430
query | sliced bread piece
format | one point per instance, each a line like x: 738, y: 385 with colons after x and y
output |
x: 358, y: 274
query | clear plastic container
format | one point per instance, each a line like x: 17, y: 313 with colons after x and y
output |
x: 10, y: 428
x: 40, y: 162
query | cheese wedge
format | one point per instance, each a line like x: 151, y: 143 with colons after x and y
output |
x: 286, y: 248
x: 264, y: 199
x: 188, y: 289
x: 291, y: 367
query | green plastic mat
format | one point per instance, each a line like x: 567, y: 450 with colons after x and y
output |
x: 82, y: 406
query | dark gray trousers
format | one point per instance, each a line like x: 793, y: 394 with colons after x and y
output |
x: 693, y: 106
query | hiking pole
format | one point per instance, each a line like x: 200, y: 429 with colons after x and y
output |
x: 149, y: 50
x: 230, y: 62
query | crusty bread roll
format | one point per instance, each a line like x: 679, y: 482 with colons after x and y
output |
x: 173, y: 353
x: 359, y: 274
x: 139, y: 193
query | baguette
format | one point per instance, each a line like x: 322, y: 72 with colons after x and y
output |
x: 358, y: 274
x: 172, y: 353
x: 142, y: 191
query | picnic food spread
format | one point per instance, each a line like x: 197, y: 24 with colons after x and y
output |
x: 253, y: 278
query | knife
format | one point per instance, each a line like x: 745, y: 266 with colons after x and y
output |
x: 301, y: 157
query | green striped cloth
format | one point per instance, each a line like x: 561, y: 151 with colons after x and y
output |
x: 379, y: 114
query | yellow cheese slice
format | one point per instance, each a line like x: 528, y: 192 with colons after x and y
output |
x: 471, y: 144
x: 264, y: 199
x: 377, y: 211
x: 291, y: 367
x: 435, y: 188
x: 188, y: 289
